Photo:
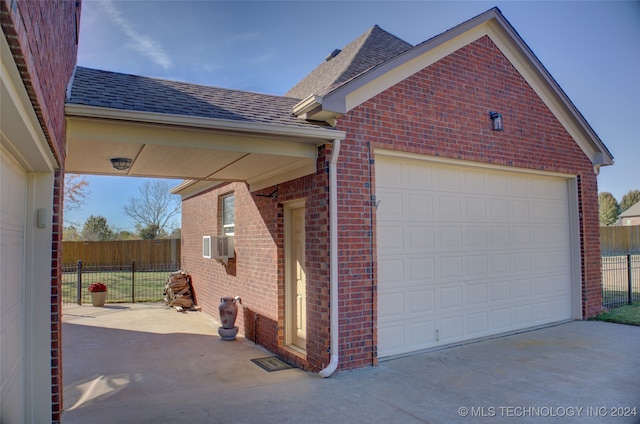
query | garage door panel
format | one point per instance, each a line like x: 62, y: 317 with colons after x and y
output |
x: 13, y: 186
x: 421, y: 270
x: 482, y: 252
x: 498, y: 209
x: 522, y: 316
x: 390, y: 271
x: 393, y: 235
x: 499, y: 263
x: 478, y: 324
x: 420, y: 237
x: 476, y: 266
x: 499, y: 238
x: 418, y: 176
x: 421, y: 333
x: 449, y: 238
x: 419, y: 206
x: 422, y: 301
x: 391, y: 305
x: 450, y: 297
x: 451, y: 329
x: 449, y: 208
x: 477, y: 293
x: 473, y: 182
x: 476, y: 237
x: 520, y: 236
x: 475, y: 209
x: 449, y: 268
x: 391, y: 207
x: 447, y: 178
x: 391, y: 336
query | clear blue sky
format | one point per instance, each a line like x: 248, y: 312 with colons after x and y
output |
x: 592, y: 49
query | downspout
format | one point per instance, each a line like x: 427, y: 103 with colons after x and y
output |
x: 333, y: 260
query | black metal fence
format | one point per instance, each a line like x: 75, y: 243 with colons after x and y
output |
x: 620, y: 280
x: 130, y: 282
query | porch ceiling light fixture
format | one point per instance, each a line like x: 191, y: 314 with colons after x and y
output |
x: 496, y: 119
x: 121, y: 164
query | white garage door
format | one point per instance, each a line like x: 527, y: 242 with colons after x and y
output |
x: 467, y: 252
x: 13, y: 190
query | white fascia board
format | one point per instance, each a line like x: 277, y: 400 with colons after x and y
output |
x: 301, y: 134
x: 307, y: 105
x: 189, y: 188
x: 21, y: 133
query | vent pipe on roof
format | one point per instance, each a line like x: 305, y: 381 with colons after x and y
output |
x: 333, y: 54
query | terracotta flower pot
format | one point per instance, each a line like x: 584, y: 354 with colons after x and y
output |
x: 98, y: 298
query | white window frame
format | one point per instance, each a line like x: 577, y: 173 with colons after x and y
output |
x: 227, y: 229
x: 206, y: 247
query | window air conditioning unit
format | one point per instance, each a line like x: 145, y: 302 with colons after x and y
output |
x: 222, y: 248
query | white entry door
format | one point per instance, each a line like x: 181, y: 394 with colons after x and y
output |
x: 467, y: 252
x: 296, y: 279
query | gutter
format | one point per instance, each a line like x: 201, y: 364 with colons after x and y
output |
x: 333, y: 261
x: 303, y: 134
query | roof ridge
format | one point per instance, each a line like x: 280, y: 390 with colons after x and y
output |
x: 360, y: 57
x: 371, y: 48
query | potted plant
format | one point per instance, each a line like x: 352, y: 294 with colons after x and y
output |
x: 98, y: 294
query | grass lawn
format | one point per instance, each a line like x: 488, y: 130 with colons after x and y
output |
x: 629, y: 314
x: 149, y: 286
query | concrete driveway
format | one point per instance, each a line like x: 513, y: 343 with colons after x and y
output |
x: 145, y: 363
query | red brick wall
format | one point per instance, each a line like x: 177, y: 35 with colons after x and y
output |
x: 443, y: 111
x: 42, y: 36
x: 257, y: 272
x: 56, y: 299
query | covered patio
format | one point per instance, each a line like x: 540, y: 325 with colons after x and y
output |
x: 203, y: 135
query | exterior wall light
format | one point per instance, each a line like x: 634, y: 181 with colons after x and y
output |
x: 121, y: 164
x: 496, y: 118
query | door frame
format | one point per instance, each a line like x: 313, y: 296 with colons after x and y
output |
x: 289, y: 279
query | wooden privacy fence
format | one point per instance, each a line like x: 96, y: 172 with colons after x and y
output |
x: 164, y: 251
x: 621, y: 240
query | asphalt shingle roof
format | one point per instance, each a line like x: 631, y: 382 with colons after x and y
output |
x: 92, y: 87
x: 365, y: 52
x: 632, y: 211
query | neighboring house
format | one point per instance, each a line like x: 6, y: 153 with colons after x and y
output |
x: 39, y: 46
x: 631, y: 216
x: 374, y: 210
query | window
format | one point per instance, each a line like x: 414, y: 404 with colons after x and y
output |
x: 206, y: 246
x: 228, y: 220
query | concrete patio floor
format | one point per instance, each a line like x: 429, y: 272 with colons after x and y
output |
x: 146, y: 363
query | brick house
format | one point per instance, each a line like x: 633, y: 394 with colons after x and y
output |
x: 399, y: 198
x: 631, y: 216
x: 39, y: 47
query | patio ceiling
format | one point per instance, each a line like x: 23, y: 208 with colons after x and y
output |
x: 190, y: 148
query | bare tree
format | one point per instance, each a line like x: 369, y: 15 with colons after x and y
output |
x: 76, y: 191
x: 154, y: 207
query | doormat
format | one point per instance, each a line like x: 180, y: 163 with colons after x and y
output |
x: 271, y: 363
